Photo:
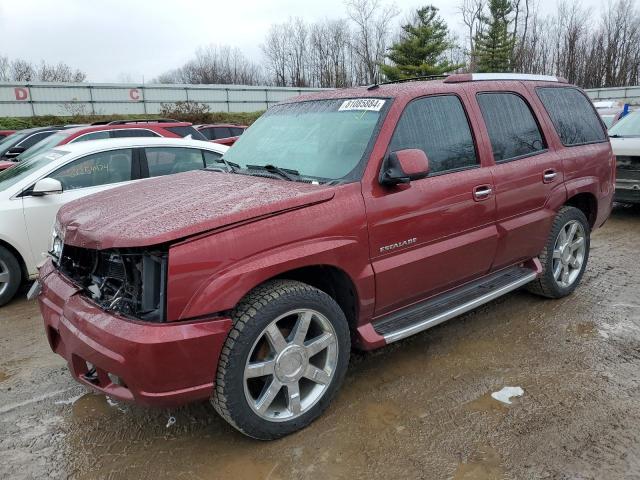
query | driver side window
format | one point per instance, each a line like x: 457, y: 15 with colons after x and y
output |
x: 439, y: 127
x: 97, y: 169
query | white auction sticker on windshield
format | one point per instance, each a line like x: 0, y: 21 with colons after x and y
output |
x: 370, y: 104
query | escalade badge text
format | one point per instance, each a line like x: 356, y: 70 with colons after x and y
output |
x: 393, y: 246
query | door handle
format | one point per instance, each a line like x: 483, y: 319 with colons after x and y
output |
x: 549, y: 176
x: 483, y: 192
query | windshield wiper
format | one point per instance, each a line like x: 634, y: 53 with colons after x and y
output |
x: 286, y: 173
x: 231, y: 167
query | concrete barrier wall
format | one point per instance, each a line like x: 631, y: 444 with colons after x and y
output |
x: 629, y: 95
x: 65, y: 99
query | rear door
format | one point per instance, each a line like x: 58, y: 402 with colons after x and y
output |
x: 526, y: 173
x: 436, y: 233
x: 81, y: 177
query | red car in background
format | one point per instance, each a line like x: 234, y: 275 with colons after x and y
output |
x: 223, y: 133
x: 114, y: 129
x: 6, y: 133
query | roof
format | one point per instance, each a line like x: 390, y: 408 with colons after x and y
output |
x: 228, y: 125
x: 124, y: 126
x: 90, y: 146
x: 410, y: 88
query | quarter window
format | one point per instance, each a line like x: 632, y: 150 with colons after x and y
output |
x: 572, y: 115
x: 439, y: 127
x: 211, y: 159
x: 97, y: 169
x: 512, y: 128
x: 170, y: 160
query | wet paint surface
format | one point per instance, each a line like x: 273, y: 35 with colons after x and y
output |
x: 421, y: 408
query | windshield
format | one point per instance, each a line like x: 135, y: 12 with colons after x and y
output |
x: 13, y: 175
x: 43, y: 145
x: 628, y: 126
x: 322, y: 139
x: 607, y: 119
x: 11, y: 140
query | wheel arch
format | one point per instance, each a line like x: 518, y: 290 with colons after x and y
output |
x: 587, y: 203
x: 14, y: 251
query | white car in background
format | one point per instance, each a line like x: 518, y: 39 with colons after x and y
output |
x: 32, y: 192
x: 625, y: 143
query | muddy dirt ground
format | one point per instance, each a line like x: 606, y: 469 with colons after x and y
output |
x: 421, y: 408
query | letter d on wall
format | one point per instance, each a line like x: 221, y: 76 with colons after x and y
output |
x: 22, y: 93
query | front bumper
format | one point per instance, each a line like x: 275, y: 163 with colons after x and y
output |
x: 163, y: 365
x: 627, y: 190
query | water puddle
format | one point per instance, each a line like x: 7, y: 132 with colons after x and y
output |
x: 91, y: 405
x: 483, y: 465
x: 486, y: 403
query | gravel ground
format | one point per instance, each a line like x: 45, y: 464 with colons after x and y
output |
x: 421, y: 408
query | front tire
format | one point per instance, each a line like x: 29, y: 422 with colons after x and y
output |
x: 565, y: 255
x: 283, y: 361
x: 10, y: 276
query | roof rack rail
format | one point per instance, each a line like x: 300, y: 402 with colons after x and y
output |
x: 474, y: 77
x: 410, y: 79
x: 142, y: 120
x: 101, y: 122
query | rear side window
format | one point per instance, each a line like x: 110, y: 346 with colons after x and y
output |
x: 133, y: 132
x: 207, y: 133
x: 91, y: 136
x: 186, y: 131
x: 170, y: 160
x: 512, y: 129
x: 221, y: 132
x: 439, y: 127
x: 236, y: 132
x: 572, y: 115
x: 97, y: 169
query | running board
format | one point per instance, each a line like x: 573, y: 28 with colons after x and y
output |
x: 430, y: 313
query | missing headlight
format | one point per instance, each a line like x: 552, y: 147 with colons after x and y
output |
x: 131, y: 282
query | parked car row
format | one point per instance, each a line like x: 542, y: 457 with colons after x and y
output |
x: 340, y: 219
x: 25, y: 143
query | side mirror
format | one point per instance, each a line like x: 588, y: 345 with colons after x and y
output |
x: 14, y: 152
x: 46, y: 186
x: 403, y: 166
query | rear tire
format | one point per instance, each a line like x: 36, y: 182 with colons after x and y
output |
x: 10, y: 276
x: 283, y: 361
x: 565, y: 255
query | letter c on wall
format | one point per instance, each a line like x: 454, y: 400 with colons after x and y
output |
x: 134, y: 94
x: 21, y: 93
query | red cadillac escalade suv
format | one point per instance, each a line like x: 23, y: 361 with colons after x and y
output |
x: 345, y: 218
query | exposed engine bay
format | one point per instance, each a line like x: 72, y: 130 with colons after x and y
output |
x: 131, y: 282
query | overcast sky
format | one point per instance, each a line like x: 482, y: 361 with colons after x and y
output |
x: 112, y: 39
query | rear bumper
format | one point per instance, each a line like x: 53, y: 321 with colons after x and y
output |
x: 151, y: 364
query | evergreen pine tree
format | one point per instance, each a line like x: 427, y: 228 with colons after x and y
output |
x: 420, y: 49
x: 494, y: 46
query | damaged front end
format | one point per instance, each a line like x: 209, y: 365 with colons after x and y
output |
x: 131, y: 281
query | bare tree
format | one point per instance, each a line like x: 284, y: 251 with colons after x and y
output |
x: 372, y: 21
x: 472, y: 12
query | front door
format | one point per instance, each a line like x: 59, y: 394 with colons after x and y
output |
x: 438, y: 232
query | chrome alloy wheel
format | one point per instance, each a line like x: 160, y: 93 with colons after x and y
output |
x: 568, y: 253
x: 290, y: 365
x: 5, y: 276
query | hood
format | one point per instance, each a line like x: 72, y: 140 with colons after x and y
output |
x: 626, y: 146
x: 173, y: 207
